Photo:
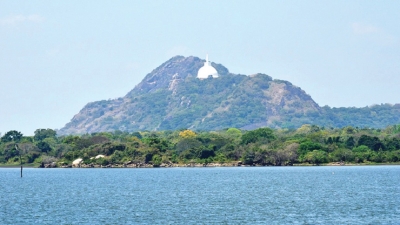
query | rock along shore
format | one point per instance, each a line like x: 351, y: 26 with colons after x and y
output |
x: 149, y: 165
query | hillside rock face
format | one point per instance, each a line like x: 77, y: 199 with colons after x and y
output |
x: 171, y: 97
x: 170, y: 73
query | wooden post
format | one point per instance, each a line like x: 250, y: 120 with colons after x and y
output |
x: 20, y: 160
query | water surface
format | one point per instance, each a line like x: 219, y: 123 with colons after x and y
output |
x: 237, y: 195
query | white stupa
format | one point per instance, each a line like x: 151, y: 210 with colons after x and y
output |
x: 207, y: 70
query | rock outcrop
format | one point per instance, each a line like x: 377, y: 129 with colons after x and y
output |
x: 77, y: 162
x: 171, y: 97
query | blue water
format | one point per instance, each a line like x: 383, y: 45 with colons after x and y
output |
x: 238, y: 195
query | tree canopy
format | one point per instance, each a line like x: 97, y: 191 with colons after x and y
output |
x: 12, y: 135
x: 310, y: 144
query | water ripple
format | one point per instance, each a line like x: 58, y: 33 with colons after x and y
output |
x: 262, y: 195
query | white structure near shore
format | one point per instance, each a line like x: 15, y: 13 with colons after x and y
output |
x: 207, y: 70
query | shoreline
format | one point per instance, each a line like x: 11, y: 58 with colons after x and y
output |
x: 196, y: 165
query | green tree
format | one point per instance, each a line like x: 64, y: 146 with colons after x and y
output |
x: 342, y: 154
x: 392, y: 144
x: 350, y: 143
x: 361, y: 148
x: 261, y: 134
x: 10, y: 151
x: 248, y: 157
x: 156, y: 159
x: 187, y: 143
x: 234, y: 132
x: 372, y: 142
x: 286, y: 156
x: 43, y: 146
x: 308, y: 146
x: 41, y: 134
x: 12, y: 135
x: 316, y: 157
x: 155, y: 141
x: 204, y: 153
x: 393, y: 156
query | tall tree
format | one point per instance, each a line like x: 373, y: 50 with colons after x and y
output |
x: 260, y: 134
x: 12, y: 135
x: 41, y: 134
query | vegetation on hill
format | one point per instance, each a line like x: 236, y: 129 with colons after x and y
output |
x: 171, y: 98
x: 309, y: 144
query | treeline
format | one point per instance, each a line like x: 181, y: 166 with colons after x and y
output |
x: 308, y: 144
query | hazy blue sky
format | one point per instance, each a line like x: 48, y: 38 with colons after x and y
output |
x: 56, y: 56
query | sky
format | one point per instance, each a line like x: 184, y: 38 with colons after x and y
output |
x: 57, y: 56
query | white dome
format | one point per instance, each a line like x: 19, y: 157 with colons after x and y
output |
x: 207, y: 70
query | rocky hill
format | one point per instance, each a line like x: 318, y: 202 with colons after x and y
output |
x: 171, y: 97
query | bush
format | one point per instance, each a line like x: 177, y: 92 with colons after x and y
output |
x: 316, y: 157
x: 156, y: 159
x: 361, y: 148
x: 262, y: 134
x: 102, y: 161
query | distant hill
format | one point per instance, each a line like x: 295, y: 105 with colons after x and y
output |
x: 171, y: 97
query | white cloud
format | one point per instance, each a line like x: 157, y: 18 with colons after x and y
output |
x: 359, y: 28
x: 18, y: 19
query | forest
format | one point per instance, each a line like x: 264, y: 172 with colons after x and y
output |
x: 307, y: 145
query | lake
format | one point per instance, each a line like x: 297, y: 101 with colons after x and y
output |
x: 235, y: 195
